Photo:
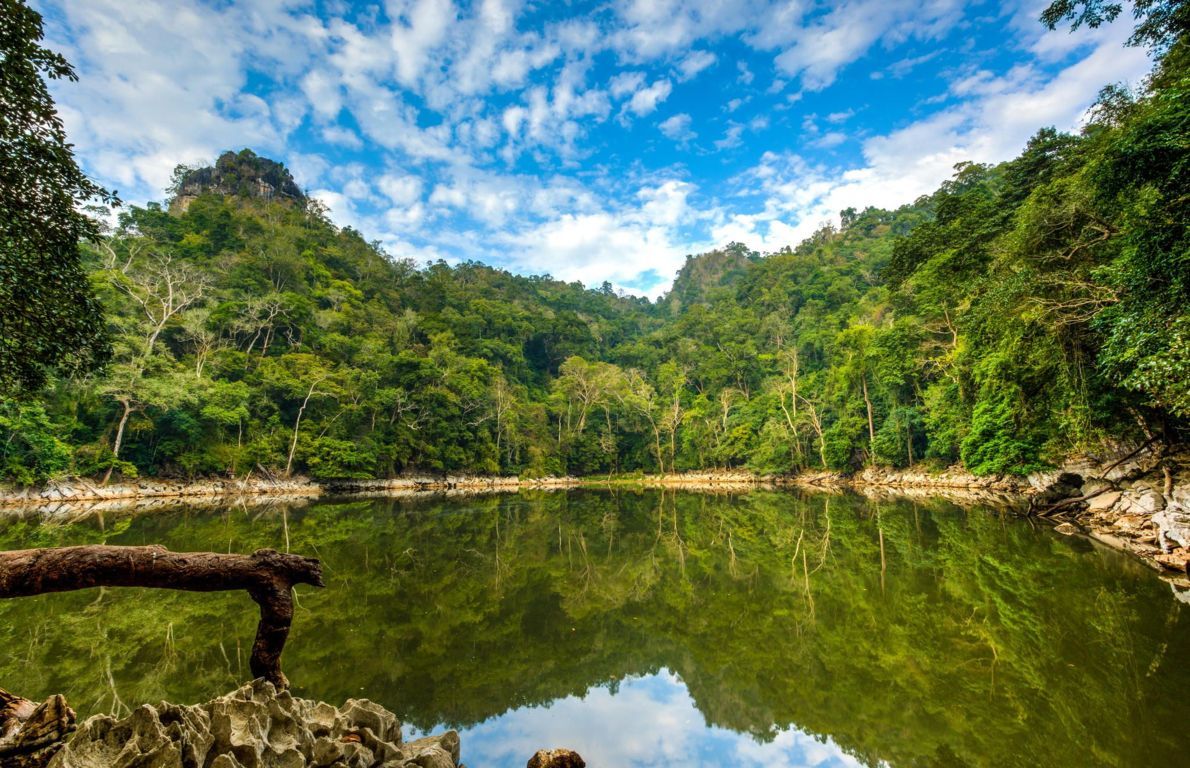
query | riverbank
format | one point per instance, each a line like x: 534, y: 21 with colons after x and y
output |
x: 1139, y: 503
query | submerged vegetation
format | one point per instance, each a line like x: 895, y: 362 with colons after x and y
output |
x: 1021, y: 312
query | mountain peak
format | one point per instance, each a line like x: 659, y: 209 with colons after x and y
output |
x: 243, y: 173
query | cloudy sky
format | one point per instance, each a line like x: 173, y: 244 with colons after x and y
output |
x: 650, y: 720
x: 590, y: 141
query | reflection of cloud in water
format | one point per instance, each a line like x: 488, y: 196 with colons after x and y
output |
x: 649, y: 721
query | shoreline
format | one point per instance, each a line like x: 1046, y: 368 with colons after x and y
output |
x: 1139, y: 505
x: 78, y: 492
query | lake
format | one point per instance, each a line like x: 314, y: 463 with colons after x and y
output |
x: 650, y: 628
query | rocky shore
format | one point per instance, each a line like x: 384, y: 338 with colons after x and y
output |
x: 250, y: 727
x: 74, y: 492
x: 255, y: 726
x: 400, y: 486
x: 1140, y: 503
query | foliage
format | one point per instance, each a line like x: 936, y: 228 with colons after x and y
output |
x: 1018, y: 314
x: 1159, y: 22
x: 49, y: 317
x: 30, y: 452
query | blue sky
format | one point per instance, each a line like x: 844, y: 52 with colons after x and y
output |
x: 590, y: 141
x: 647, y: 721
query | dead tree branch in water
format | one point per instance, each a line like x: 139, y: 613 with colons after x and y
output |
x: 267, y: 575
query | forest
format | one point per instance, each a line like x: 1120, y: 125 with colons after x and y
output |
x: 1021, y: 313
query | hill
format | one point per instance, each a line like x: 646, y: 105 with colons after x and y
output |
x: 1020, y: 313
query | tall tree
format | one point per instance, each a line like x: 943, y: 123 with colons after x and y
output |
x: 49, y: 317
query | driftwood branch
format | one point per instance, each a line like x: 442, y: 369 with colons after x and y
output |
x: 268, y: 577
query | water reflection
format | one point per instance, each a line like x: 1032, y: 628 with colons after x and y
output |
x: 905, y: 633
x: 644, y: 721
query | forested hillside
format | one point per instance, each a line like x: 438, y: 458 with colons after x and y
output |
x: 1018, y: 314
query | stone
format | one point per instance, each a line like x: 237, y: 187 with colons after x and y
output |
x: 1067, y: 529
x: 1173, y: 527
x: 1103, y: 501
x: 556, y: 758
x: 254, y: 727
x: 1150, y: 501
x: 434, y: 751
x: 1178, y: 560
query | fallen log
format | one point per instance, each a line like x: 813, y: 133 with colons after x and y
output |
x: 267, y: 575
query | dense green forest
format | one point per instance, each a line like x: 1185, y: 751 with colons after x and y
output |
x: 1020, y: 313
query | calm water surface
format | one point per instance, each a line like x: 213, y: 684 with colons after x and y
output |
x: 652, y: 629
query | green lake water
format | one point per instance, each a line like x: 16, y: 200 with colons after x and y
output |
x: 644, y: 628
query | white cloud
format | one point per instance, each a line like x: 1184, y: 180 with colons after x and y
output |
x: 646, y: 100
x: 816, y: 50
x: 652, y: 28
x: 991, y: 125
x: 732, y: 138
x: 164, y: 84
x: 418, y: 28
x: 636, y: 245
x: 651, y: 720
x: 344, y: 137
x: 829, y: 140
x: 696, y: 62
x: 677, y: 127
x: 625, y: 83
x: 400, y: 189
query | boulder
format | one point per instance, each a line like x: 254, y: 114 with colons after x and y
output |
x: 1103, y: 501
x: 1148, y: 502
x: 556, y: 758
x: 254, y: 727
x: 1173, y: 527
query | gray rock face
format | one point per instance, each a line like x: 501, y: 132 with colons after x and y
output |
x: 254, y: 727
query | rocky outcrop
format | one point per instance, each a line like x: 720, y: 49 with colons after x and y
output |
x: 464, y: 484
x: 79, y: 490
x: 953, y: 484
x: 31, y: 733
x: 714, y: 480
x: 951, y: 478
x: 77, y: 495
x: 254, y: 727
x: 1140, y: 504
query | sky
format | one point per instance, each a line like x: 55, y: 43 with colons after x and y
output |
x: 589, y: 141
x: 649, y: 720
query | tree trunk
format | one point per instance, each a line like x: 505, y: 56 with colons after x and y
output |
x: 871, y: 422
x: 296, y: 425
x: 268, y: 577
x: 119, y: 438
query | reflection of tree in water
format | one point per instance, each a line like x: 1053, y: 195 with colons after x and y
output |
x: 907, y: 632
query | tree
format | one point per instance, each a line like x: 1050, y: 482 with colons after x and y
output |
x: 49, y: 317
x: 1159, y: 22
x: 160, y: 290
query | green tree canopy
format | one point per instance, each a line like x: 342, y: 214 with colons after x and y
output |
x: 49, y: 316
